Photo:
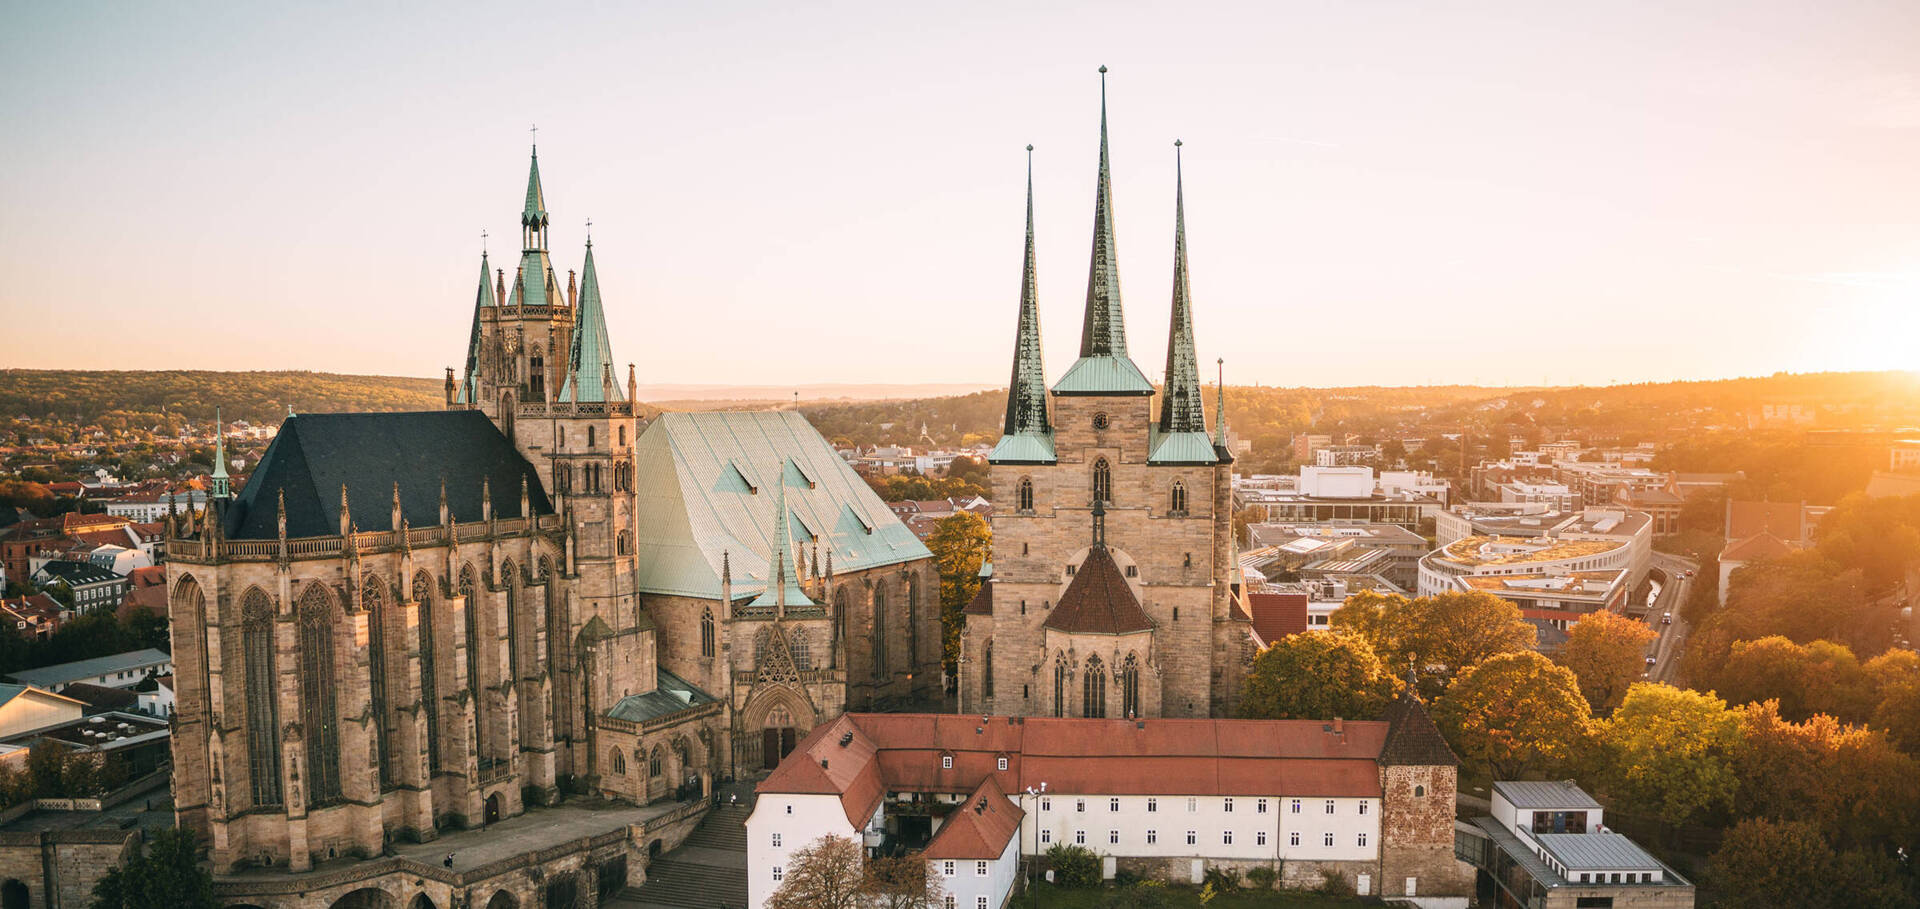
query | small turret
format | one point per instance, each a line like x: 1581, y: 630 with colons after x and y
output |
x: 486, y: 498
x: 396, y: 506
x: 220, y: 485
x: 446, y: 514
x: 346, y: 518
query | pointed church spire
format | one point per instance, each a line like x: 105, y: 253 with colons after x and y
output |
x: 1220, y: 404
x: 533, y: 218
x: 1180, y: 404
x: 222, y: 485
x: 590, y: 359
x: 1103, y: 331
x: 482, y: 298
x: 1027, y: 391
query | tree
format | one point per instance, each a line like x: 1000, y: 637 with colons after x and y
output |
x: 1606, y: 650
x: 1670, y: 752
x: 960, y: 545
x: 901, y: 882
x: 1820, y: 677
x: 167, y: 874
x: 1515, y: 713
x: 1898, y: 716
x: 1768, y: 865
x: 1315, y: 676
x: 824, y: 874
x: 1450, y: 631
x: 1073, y: 866
x: 1848, y: 781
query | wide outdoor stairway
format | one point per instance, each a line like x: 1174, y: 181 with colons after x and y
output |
x: 708, y: 871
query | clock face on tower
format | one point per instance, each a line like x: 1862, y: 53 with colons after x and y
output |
x: 1100, y: 420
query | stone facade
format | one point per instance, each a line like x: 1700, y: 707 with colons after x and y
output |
x: 57, y: 869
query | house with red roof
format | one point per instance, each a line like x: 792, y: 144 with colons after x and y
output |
x: 1765, y: 530
x: 1169, y: 798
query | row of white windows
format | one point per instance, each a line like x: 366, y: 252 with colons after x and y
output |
x: 1193, y: 838
x: 979, y: 868
x: 1193, y: 802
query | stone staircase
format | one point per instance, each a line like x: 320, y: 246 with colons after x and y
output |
x: 708, y: 871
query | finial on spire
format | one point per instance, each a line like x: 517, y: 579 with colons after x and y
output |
x: 589, y: 233
x: 483, y: 246
x: 1220, y: 402
x: 535, y: 130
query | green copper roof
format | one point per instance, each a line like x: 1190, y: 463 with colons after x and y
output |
x: 1103, y: 367
x: 1103, y: 376
x: 1181, y: 448
x: 1024, y: 448
x: 590, y: 360
x: 536, y: 211
x: 783, y: 587
x: 697, y: 506
x: 1181, y: 408
x: 673, y: 695
x: 482, y: 299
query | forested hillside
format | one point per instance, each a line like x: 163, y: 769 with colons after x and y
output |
x: 144, y: 400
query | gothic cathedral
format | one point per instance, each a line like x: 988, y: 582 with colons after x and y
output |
x: 1113, y: 588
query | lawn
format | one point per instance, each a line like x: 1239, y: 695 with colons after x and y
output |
x: 1049, y: 897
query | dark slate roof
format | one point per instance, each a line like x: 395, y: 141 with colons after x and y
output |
x: 77, y: 573
x: 1099, y: 600
x: 674, y: 695
x: 1412, y: 739
x: 315, y: 454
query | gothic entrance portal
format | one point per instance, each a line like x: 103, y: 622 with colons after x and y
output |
x: 493, y: 808
x: 776, y: 737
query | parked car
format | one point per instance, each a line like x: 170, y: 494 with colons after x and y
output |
x: 1667, y: 619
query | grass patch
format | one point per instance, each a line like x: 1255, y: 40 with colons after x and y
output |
x: 1047, y: 896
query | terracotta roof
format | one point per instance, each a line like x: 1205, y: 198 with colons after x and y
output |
x: 1747, y: 519
x: 1763, y: 545
x: 821, y: 765
x: 1099, y: 600
x: 980, y: 828
x: 982, y: 602
x: 1276, y: 615
x: 148, y: 576
x: 1411, y: 736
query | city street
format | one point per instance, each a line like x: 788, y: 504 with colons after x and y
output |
x: 1667, y: 649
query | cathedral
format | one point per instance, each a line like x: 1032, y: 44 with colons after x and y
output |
x: 1113, y: 588
x: 408, y: 623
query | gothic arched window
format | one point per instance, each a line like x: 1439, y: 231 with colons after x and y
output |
x: 1060, y: 686
x: 913, y: 621
x: 706, y: 633
x: 1102, y: 481
x: 1023, y: 495
x: 623, y: 435
x: 263, y: 699
x: 619, y: 762
x: 1130, y: 686
x: 986, y: 669
x: 879, y: 631
x: 1093, y: 695
x: 656, y: 761
x: 318, y: 712
x: 623, y: 543
x: 589, y: 436
x: 474, y: 598
x: 429, y: 690
x: 1177, y: 499
x: 373, y: 599
x: 802, y: 650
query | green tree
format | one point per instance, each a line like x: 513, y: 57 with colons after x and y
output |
x: 960, y: 545
x: 901, y: 882
x: 824, y: 874
x: 1768, y: 865
x: 1606, y: 650
x: 1819, y: 677
x: 168, y: 873
x: 1898, y: 716
x: 1670, y: 752
x: 1451, y: 632
x: 1848, y: 780
x: 1514, y: 714
x: 1315, y: 676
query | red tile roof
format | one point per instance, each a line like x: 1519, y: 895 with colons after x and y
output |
x: 1782, y: 519
x: 1276, y: 615
x: 1098, y: 601
x: 980, y: 828
x: 1763, y: 545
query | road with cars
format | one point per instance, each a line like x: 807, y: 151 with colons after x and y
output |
x: 1665, y: 617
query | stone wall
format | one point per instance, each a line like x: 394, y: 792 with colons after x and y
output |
x: 1416, y: 832
x: 60, y: 867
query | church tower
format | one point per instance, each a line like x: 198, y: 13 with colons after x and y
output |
x: 1111, y: 588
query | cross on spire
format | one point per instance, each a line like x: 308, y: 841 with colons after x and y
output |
x: 535, y: 130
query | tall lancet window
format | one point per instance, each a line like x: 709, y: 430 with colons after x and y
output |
x: 802, y: 650
x: 1102, y: 481
x: 1023, y: 495
x: 1093, y: 699
x: 1060, y: 686
x: 317, y: 696
x: 986, y: 669
x: 429, y: 688
x: 373, y: 599
x: 1130, y: 686
x: 1177, y: 499
x: 481, y: 712
x: 879, y: 631
x: 706, y: 633
x: 263, y: 699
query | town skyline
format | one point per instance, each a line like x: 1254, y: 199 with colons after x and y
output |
x: 1437, y: 187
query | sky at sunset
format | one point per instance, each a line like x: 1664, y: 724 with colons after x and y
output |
x: 1376, y: 193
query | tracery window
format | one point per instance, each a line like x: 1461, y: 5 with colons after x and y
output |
x: 263, y: 700
x: 1023, y: 495
x: 373, y: 599
x: 656, y: 761
x: 318, y: 709
x: 986, y: 669
x: 879, y: 631
x: 619, y: 762
x: 1177, y: 499
x: 706, y: 633
x: 802, y: 650
x: 1130, y: 686
x: 468, y: 589
x: 429, y: 691
x: 1102, y: 481
x: 1093, y: 702
x: 1060, y: 686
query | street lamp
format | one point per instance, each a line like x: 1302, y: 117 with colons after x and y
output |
x: 1036, y: 838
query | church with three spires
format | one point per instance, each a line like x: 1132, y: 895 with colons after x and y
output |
x: 1113, y: 588
x: 410, y: 623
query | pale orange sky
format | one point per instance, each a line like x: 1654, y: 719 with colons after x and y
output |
x: 1381, y: 193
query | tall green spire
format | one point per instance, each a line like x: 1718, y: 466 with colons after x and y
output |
x: 590, y: 360
x: 535, y: 214
x: 1103, y: 367
x: 1220, y: 405
x: 1103, y: 331
x: 482, y: 299
x: 221, y: 483
x: 1027, y: 391
x: 1180, y: 404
